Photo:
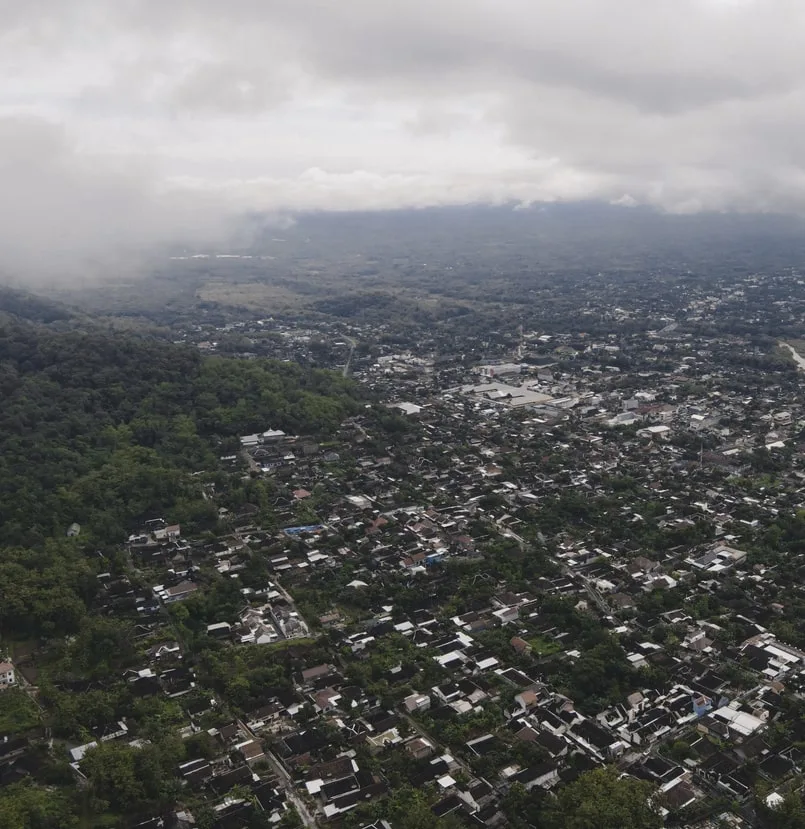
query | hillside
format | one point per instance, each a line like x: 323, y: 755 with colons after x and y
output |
x: 20, y: 305
x: 105, y: 430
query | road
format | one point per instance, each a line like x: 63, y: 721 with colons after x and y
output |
x: 287, y: 784
x: 353, y: 344
x: 599, y: 600
x: 301, y: 807
x: 592, y: 593
x: 250, y: 461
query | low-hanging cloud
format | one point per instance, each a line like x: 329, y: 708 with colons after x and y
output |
x: 128, y: 126
x: 64, y: 213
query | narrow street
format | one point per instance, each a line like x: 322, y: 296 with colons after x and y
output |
x: 301, y: 807
x: 592, y: 593
x: 250, y: 461
x: 353, y: 344
x: 287, y: 784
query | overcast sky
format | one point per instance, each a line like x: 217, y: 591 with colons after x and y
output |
x: 130, y: 122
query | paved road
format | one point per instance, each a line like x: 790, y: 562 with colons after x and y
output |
x: 353, y: 344
x: 301, y: 807
x: 250, y: 461
x: 594, y: 596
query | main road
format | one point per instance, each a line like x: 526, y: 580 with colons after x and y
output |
x: 353, y: 344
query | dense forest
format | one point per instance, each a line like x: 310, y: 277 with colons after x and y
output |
x: 100, y: 429
x: 103, y: 430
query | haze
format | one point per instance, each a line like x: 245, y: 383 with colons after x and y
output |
x: 128, y: 125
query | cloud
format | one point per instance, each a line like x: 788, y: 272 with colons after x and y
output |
x: 65, y: 214
x: 128, y: 125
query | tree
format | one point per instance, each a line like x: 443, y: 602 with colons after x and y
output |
x: 103, y: 647
x: 602, y: 799
x: 680, y: 750
x: 790, y: 814
x: 523, y: 808
x: 408, y: 808
x: 23, y: 805
x: 18, y: 712
x: 290, y: 820
x: 130, y: 778
x: 112, y: 771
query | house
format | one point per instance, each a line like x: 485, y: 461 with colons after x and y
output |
x: 718, y: 559
x: 416, y: 702
x: 483, y: 745
x: 731, y: 723
x: 176, y: 593
x: 256, y: 626
x: 176, y: 682
x: 195, y: 772
x: 515, y: 677
x: 447, y: 806
x: 678, y: 795
x: 264, y: 715
x: 219, y: 630
x: 251, y: 751
x: 544, y: 775
x: 594, y: 739
x: 78, y: 753
x: 299, y: 746
x: 226, y: 780
x: 641, y: 565
x: 554, y: 744
x: 420, y: 748
x: 520, y: 645
x: 379, y: 741
x: 447, y: 692
x: 526, y: 701
x: 165, y: 649
x: 142, y: 682
x: 8, y: 677
x: 330, y: 619
x: 322, y: 773
x: 327, y: 699
x: 310, y: 675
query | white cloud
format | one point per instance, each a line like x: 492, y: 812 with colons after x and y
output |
x: 141, y: 121
x: 64, y: 213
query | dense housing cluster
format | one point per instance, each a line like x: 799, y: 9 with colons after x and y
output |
x: 502, y: 563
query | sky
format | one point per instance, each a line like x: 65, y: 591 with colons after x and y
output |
x: 129, y: 124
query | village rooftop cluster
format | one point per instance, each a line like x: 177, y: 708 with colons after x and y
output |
x: 582, y: 549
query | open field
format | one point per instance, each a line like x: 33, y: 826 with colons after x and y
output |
x: 257, y: 296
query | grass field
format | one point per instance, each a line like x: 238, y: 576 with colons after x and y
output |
x: 543, y: 647
x: 257, y: 296
x: 18, y: 712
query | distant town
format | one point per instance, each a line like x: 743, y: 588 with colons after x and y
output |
x: 534, y: 548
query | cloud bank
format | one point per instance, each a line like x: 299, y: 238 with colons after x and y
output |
x: 133, y: 124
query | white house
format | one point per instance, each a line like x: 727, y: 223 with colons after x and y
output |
x: 8, y: 678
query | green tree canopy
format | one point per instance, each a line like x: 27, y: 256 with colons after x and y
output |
x: 602, y: 799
